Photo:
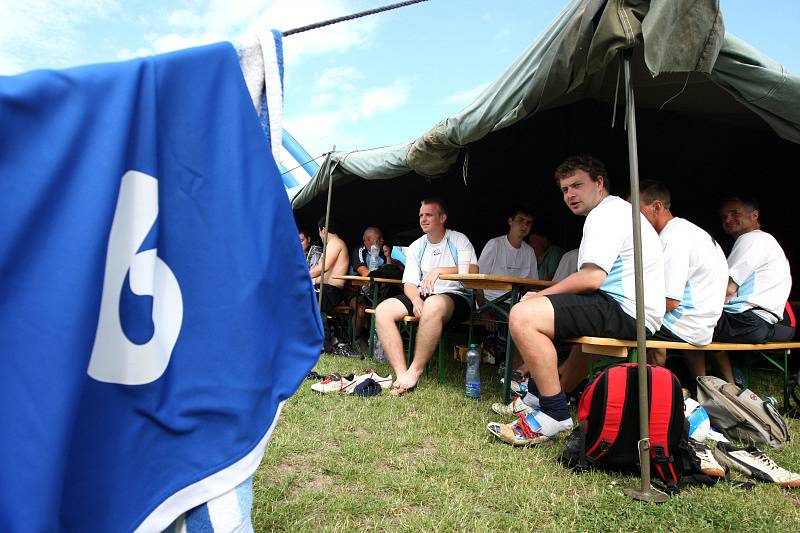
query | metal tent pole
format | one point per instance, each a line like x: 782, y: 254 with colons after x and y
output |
x: 645, y: 491
x: 327, y: 221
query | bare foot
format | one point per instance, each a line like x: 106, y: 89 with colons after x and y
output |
x: 405, y: 382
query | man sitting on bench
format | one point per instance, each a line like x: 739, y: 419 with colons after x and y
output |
x: 597, y: 300
x: 695, y: 276
x: 758, y: 286
x: 336, y: 264
x: 436, y: 302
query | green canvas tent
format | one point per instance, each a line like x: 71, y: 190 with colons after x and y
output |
x: 715, y: 117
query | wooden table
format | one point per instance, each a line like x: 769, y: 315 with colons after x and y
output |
x: 513, y: 287
x: 359, y: 281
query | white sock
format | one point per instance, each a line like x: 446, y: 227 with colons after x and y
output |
x: 530, y: 400
x: 549, y: 426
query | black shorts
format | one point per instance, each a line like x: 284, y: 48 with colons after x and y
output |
x: 595, y: 314
x: 748, y: 327
x: 663, y: 334
x: 331, y: 297
x: 461, y: 311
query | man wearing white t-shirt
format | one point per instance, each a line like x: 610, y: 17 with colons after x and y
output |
x: 758, y: 286
x: 436, y: 302
x: 597, y: 300
x: 509, y: 254
x: 695, y: 276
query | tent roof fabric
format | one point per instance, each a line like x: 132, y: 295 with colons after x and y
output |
x: 674, y: 44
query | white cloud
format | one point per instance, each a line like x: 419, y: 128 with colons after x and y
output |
x: 383, y: 99
x: 465, y: 97
x: 46, y: 33
x: 338, y: 78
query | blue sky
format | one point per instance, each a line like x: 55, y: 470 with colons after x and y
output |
x: 381, y: 80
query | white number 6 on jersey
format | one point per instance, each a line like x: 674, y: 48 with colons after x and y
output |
x: 115, y: 359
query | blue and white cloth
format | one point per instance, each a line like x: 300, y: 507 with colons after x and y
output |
x: 156, y: 309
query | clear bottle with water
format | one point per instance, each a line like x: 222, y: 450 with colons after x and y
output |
x: 473, y: 389
x: 373, y: 256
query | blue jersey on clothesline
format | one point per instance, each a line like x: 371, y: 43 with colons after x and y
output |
x: 155, y: 305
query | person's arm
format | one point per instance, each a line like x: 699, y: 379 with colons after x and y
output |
x: 331, y: 254
x: 672, y: 304
x: 588, y: 279
x: 731, y: 290
x: 362, y: 270
x: 411, y: 291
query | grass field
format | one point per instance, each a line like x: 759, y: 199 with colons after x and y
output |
x: 425, y: 462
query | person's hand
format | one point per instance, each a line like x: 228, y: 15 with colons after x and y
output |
x: 426, y: 287
x: 417, y: 307
x: 528, y: 295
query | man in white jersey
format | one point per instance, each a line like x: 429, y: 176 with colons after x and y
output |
x: 509, y: 254
x: 597, y: 300
x: 695, y: 276
x: 758, y: 285
x: 436, y: 302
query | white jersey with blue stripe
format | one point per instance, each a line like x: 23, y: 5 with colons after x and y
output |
x: 758, y: 265
x: 423, y: 256
x: 607, y: 242
x: 695, y: 275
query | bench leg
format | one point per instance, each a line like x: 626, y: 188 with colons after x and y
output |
x: 441, y: 360
x: 509, y: 350
x: 410, y: 349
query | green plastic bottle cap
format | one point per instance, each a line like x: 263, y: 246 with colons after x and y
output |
x: 473, y: 345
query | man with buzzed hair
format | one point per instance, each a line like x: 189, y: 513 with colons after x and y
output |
x: 759, y: 283
x: 598, y: 300
x: 436, y: 302
x: 695, y: 276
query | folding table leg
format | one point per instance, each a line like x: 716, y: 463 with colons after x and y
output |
x: 509, y: 349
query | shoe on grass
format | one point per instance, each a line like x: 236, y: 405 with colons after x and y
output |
x: 529, y: 429
x: 384, y: 382
x: 708, y: 463
x: 519, y: 383
x: 754, y: 463
x: 514, y: 408
x: 333, y: 383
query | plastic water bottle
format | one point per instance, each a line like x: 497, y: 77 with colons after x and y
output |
x: 373, y: 256
x: 473, y: 390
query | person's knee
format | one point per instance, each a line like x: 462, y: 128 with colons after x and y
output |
x: 520, y: 320
x: 436, y: 308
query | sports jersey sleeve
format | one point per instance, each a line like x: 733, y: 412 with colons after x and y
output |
x: 411, y: 274
x: 603, y: 237
x: 488, y: 256
x: 744, y: 258
x: 533, y: 272
x: 355, y: 260
x: 676, y: 266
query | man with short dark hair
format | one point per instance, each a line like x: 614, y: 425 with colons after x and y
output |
x: 336, y: 264
x: 436, y: 302
x: 695, y: 276
x: 597, y: 300
x: 758, y: 285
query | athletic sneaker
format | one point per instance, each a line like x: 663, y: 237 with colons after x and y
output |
x: 514, y: 408
x: 529, y: 429
x: 753, y: 462
x: 333, y: 383
x: 708, y: 464
x: 384, y: 382
x: 519, y: 383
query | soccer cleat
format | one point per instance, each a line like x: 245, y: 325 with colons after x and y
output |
x: 384, y: 382
x: 333, y: 383
x: 514, y: 408
x: 753, y: 462
x: 528, y: 429
x: 708, y: 464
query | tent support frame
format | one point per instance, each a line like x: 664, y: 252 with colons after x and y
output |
x: 645, y: 492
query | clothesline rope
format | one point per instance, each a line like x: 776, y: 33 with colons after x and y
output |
x: 351, y: 17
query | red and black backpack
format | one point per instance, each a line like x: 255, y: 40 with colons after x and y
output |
x: 607, y: 435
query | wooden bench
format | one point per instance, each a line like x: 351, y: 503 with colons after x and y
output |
x: 410, y: 320
x: 627, y: 348
x: 345, y: 311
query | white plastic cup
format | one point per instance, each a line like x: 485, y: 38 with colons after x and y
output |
x: 463, y: 261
